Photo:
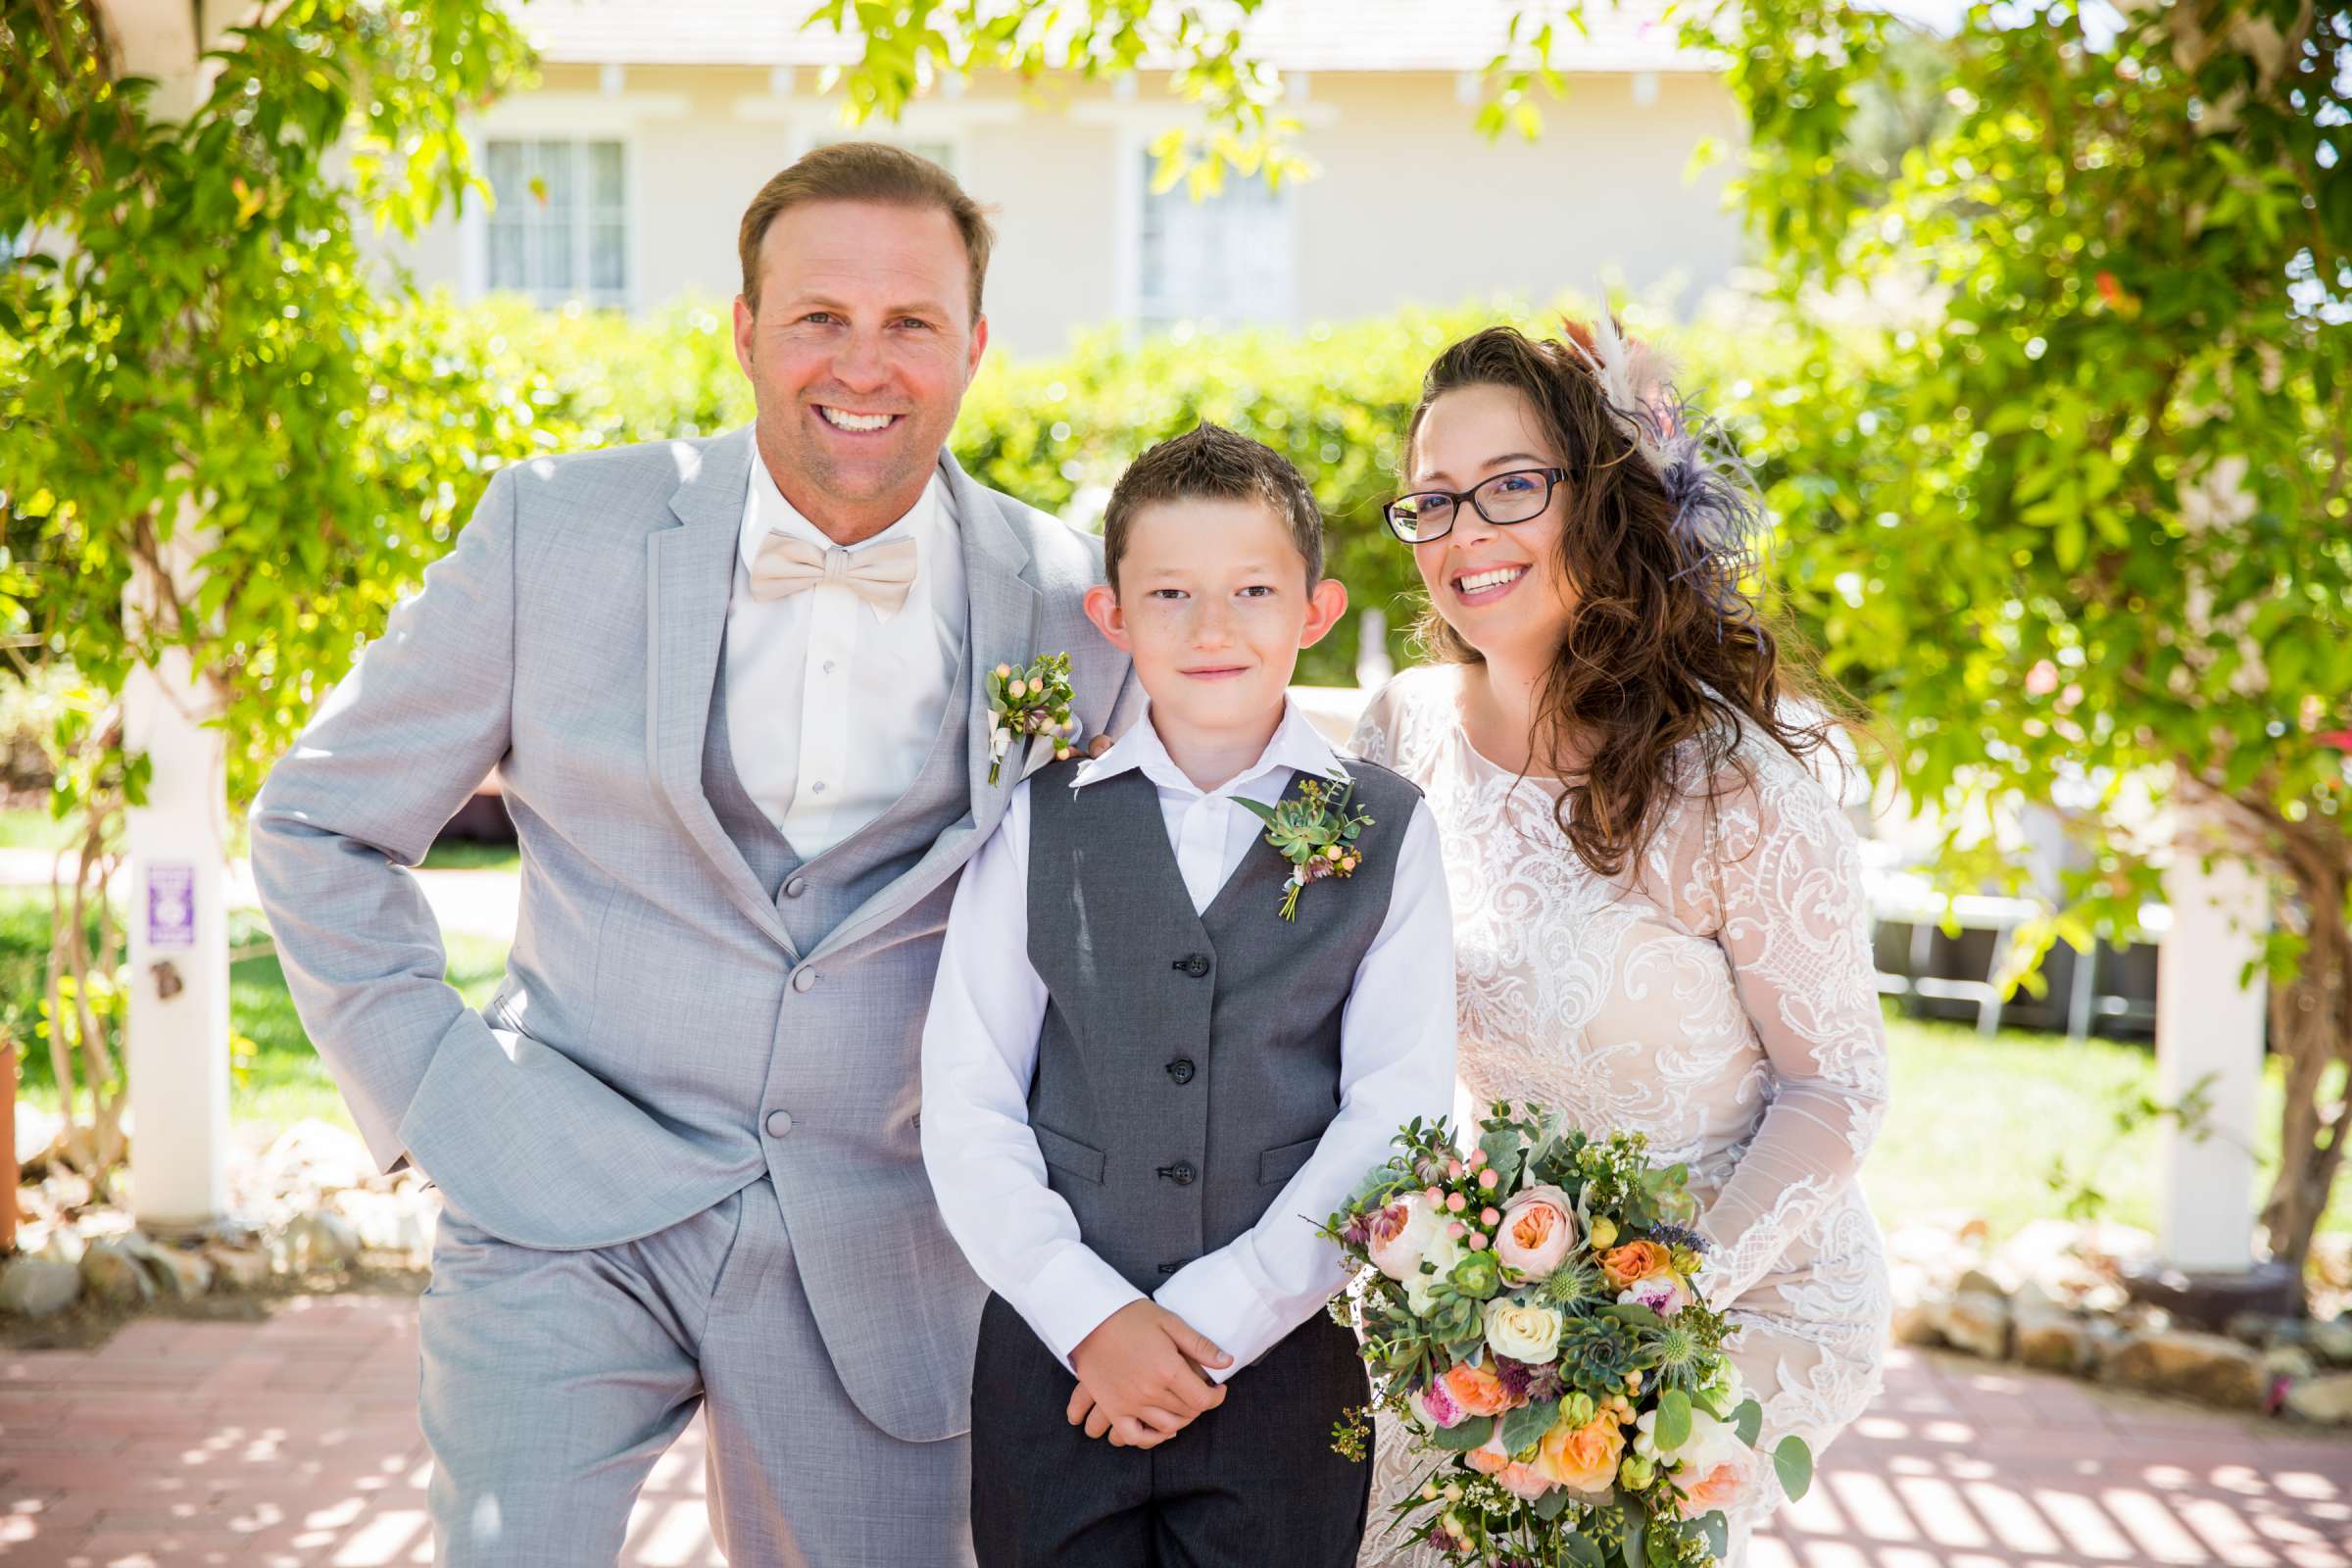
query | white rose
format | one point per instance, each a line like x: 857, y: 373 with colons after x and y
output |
x: 1444, y: 1253
x: 1711, y: 1444
x: 1522, y: 1330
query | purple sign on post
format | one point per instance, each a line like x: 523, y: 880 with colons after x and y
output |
x: 172, y: 906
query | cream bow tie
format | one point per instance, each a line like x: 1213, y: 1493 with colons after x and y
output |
x: 880, y: 574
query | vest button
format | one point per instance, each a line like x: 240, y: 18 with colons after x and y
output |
x: 1169, y: 1268
x: 1195, y: 964
x: 796, y: 887
x: 1181, y: 1069
x: 803, y: 980
x: 1181, y: 1173
x: 779, y: 1123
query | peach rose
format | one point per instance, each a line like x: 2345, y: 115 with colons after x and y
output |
x: 1722, y: 1487
x: 1581, y: 1458
x: 1713, y: 1468
x: 1633, y: 1260
x: 1538, y: 1228
x: 1476, y: 1389
x: 1490, y: 1458
x: 1524, y: 1482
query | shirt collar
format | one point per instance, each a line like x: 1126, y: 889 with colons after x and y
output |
x: 765, y: 508
x: 1296, y: 746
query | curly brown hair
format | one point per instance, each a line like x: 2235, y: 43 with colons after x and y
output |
x: 1652, y: 683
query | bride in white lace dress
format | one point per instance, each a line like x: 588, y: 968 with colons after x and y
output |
x: 1689, y: 957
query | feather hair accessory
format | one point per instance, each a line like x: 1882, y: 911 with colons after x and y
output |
x: 1717, y: 525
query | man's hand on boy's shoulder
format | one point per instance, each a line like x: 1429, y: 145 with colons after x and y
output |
x: 1140, y: 1379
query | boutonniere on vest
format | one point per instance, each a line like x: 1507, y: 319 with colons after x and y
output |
x: 1315, y: 832
x: 1029, y: 701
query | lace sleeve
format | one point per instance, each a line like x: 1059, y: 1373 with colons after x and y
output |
x: 1796, y: 923
x: 1376, y: 738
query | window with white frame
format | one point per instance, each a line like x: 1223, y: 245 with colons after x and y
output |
x: 1226, y: 261
x: 561, y: 229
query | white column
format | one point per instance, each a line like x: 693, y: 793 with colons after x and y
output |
x: 2208, y: 1028
x: 176, y: 1034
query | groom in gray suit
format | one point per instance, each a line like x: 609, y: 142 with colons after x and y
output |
x: 733, y: 687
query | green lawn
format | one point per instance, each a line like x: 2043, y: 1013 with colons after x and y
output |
x: 465, y: 856
x: 24, y: 829
x: 1975, y: 1124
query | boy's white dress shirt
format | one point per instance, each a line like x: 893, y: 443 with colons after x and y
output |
x: 980, y: 1055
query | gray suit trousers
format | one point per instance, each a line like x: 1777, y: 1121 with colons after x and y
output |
x: 554, y: 1380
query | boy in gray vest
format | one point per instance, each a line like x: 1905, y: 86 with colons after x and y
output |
x: 1163, y: 1047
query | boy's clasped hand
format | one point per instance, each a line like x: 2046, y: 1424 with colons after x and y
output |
x: 1141, y: 1377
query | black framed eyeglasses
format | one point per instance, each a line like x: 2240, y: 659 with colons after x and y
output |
x: 1514, y: 497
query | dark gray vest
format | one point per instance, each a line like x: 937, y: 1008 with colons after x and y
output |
x: 1188, y: 1063
x: 815, y: 896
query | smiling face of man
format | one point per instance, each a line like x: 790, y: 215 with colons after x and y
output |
x: 859, y: 352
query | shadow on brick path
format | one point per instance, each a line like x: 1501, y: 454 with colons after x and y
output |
x: 292, y: 1442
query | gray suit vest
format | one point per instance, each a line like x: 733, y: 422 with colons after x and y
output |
x: 1188, y: 1063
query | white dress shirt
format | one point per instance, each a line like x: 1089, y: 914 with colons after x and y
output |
x: 832, y: 705
x: 980, y: 1055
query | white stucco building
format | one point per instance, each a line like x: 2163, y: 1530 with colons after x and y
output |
x: 656, y: 120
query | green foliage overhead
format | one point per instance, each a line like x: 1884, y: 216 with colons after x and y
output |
x: 190, y: 333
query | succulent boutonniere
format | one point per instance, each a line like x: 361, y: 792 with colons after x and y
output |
x: 1029, y: 701
x: 1315, y: 832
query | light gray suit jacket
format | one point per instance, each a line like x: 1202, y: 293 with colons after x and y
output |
x: 660, y: 1004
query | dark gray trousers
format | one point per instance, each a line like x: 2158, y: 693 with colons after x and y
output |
x: 1252, y: 1482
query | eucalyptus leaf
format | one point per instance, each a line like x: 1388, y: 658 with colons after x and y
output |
x: 1674, y: 1419
x: 1749, y: 1421
x: 1523, y: 1425
x: 1793, y: 1462
x: 1577, y: 1547
x: 1718, y: 1532
x: 1636, y: 1524
x: 1471, y: 1434
x: 1551, y: 1504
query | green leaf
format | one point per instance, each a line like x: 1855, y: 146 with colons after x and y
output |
x: 1718, y: 1532
x: 1793, y: 1462
x: 1749, y: 1421
x: 1577, y: 1547
x: 1471, y: 1434
x: 1525, y: 1426
x: 1636, y: 1524
x: 1674, y: 1419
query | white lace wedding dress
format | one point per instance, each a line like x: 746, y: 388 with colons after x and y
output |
x: 1718, y: 998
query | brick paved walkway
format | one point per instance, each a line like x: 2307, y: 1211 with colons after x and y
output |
x: 293, y: 1444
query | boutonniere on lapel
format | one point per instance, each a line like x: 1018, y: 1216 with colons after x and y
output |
x: 1030, y: 702
x: 1315, y: 832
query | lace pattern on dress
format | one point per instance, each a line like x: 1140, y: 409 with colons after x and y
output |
x: 1718, y: 996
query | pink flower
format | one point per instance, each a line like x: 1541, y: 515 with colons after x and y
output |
x: 1490, y: 1459
x: 1663, y: 1293
x: 1437, y: 1405
x: 1538, y: 1228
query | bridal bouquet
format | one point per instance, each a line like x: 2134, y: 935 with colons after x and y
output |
x: 1528, y: 1313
